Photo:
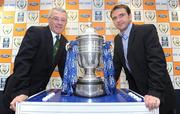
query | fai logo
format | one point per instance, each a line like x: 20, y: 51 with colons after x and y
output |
x: 7, y: 29
x: 4, y: 69
x: 59, y: 3
x: 163, y: 28
x: 98, y: 3
x: 173, y: 3
x: 150, y: 15
x: 72, y: 16
x: 136, y: 3
x: 33, y: 16
x: 83, y: 27
x: 21, y: 4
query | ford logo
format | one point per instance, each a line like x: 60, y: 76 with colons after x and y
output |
x: 4, y: 56
x: 177, y: 67
x: 85, y: 15
x: 167, y: 54
x: 72, y: 3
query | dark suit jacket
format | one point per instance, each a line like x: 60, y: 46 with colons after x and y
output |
x: 147, y: 63
x: 34, y: 63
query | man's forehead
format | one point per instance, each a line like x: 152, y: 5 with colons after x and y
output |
x: 120, y: 10
x: 57, y: 13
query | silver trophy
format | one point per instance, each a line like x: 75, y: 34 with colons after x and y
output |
x: 89, y: 57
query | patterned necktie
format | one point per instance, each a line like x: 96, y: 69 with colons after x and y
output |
x: 124, y: 36
x: 55, y: 47
x: 125, y: 49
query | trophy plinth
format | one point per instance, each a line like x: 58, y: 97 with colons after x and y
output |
x: 89, y: 55
x: 90, y: 88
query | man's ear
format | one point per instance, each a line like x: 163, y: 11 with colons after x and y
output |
x: 130, y: 17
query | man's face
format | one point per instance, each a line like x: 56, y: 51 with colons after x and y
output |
x: 57, y: 21
x: 121, y: 19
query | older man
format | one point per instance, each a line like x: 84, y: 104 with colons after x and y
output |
x: 41, y: 50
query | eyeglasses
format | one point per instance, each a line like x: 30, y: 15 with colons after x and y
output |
x: 119, y: 16
x: 57, y: 19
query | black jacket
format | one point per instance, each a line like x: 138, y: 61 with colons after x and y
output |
x: 34, y: 63
x: 147, y: 63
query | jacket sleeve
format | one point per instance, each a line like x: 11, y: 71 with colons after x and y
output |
x: 157, y: 71
x: 19, y: 82
x: 116, y: 60
x: 61, y: 63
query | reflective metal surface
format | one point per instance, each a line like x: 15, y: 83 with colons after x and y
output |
x: 89, y: 56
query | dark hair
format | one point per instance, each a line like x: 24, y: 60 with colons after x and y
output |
x: 120, y: 6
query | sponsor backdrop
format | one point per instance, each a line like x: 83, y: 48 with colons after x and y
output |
x: 17, y: 15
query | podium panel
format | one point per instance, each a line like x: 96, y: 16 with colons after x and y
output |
x: 124, y: 101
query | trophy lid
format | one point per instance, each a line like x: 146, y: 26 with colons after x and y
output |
x: 90, y: 30
x: 90, y: 33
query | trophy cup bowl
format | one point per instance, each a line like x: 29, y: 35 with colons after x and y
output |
x: 89, y: 57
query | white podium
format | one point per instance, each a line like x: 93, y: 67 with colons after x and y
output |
x: 60, y: 104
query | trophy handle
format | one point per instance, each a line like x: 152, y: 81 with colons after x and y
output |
x: 79, y: 60
x: 67, y: 46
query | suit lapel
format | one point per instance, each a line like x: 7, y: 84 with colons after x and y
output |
x: 49, y: 43
x: 131, y: 39
x: 120, y: 46
x: 61, y: 47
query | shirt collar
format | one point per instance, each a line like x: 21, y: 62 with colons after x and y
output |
x: 127, y: 31
x: 54, y: 34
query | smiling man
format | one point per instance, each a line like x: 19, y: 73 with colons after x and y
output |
x: 138, y: 51
x: 41, y: 50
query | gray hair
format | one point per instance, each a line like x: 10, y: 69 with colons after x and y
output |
x: 56, y: 9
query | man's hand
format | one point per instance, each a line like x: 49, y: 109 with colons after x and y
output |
x: 151, y: 102
x: 19, y: 98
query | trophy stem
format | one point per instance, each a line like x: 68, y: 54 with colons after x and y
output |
x: 89, y: 72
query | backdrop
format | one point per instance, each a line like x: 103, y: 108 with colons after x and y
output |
x: 17, y: 15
